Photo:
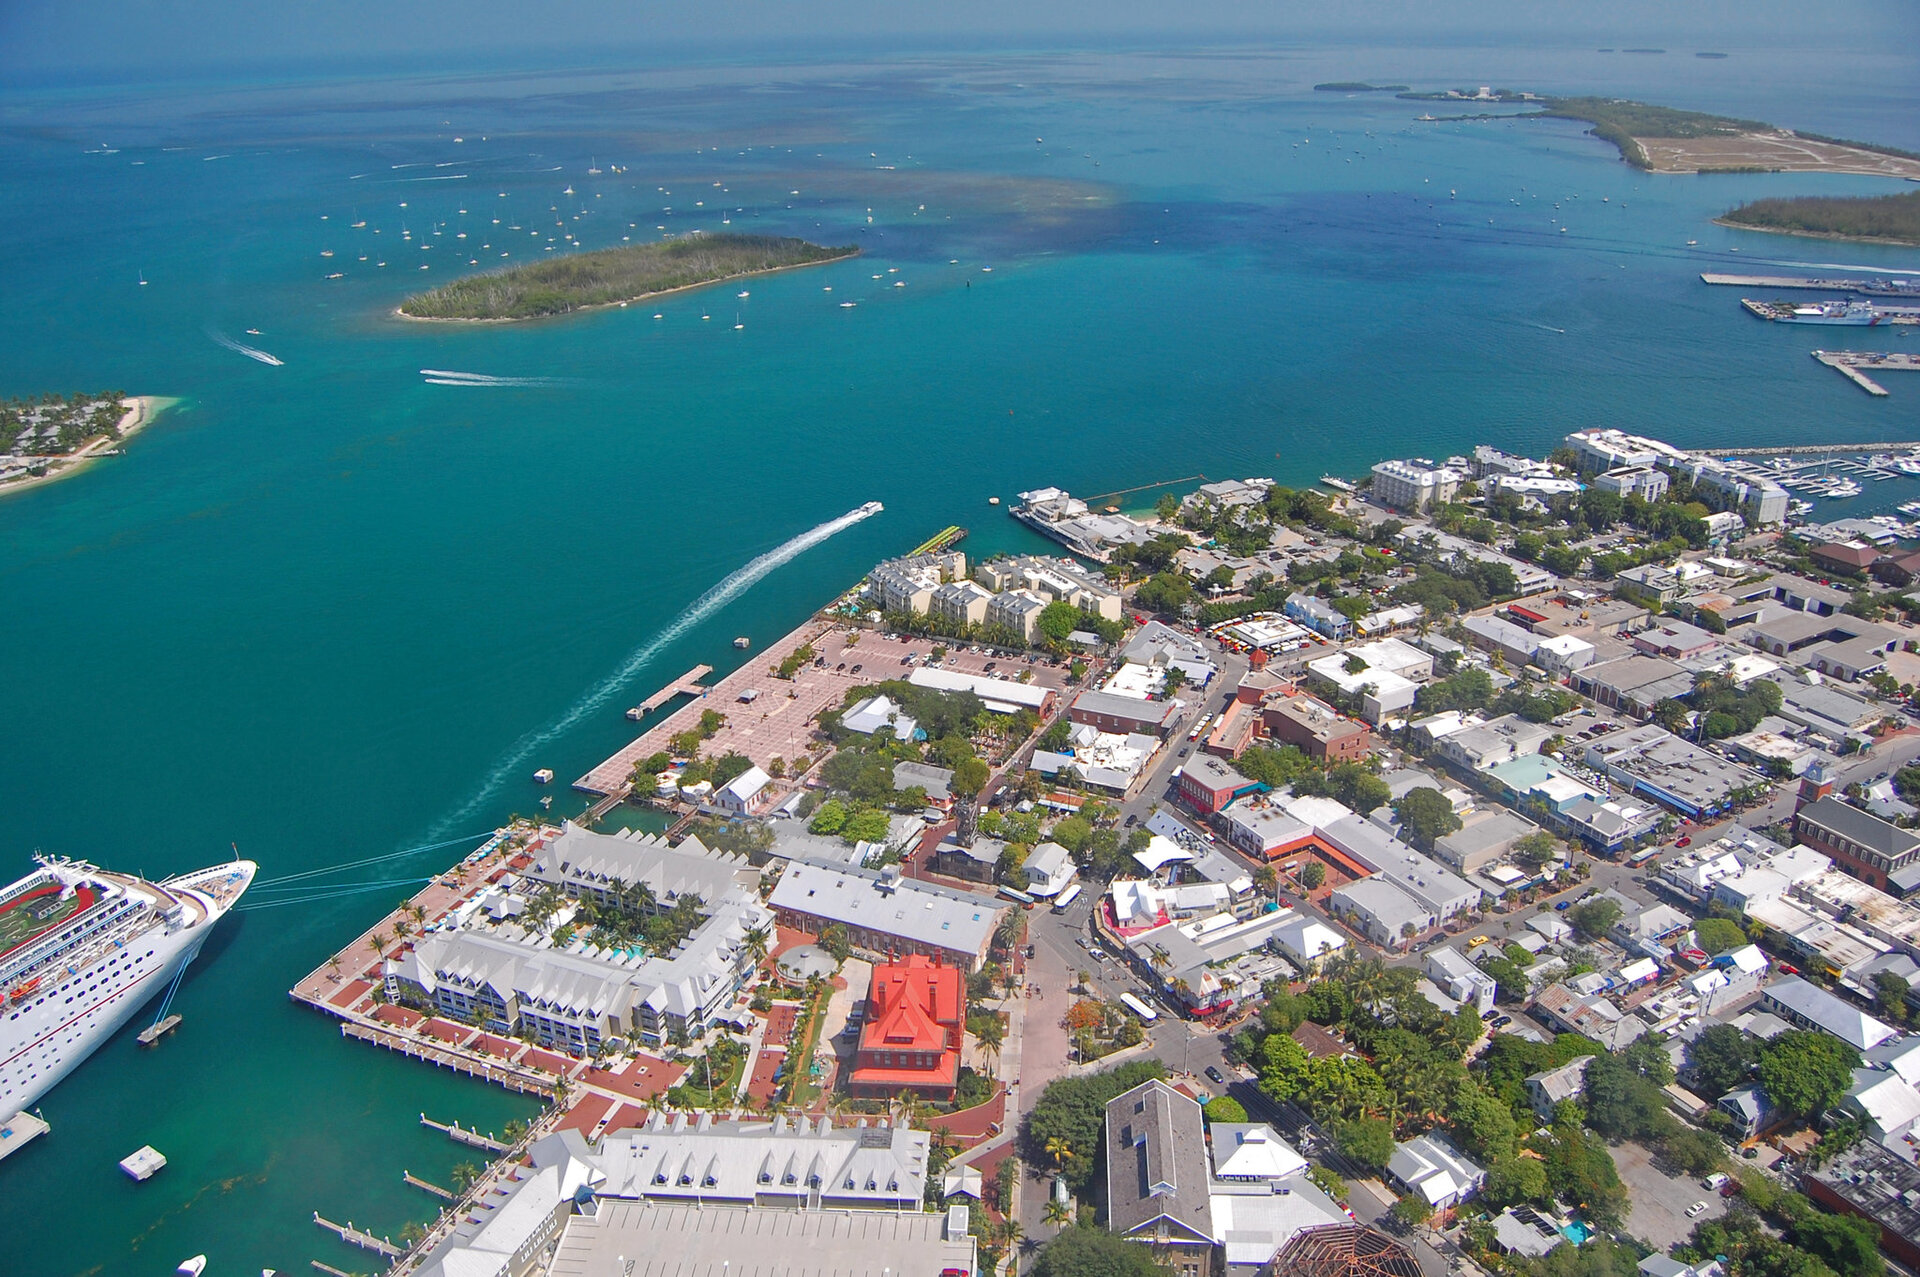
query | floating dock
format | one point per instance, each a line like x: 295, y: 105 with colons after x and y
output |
x: 1853, y: 365
x: 144, y: 1162
x: 18, y: 1131
x: 157, y: 1030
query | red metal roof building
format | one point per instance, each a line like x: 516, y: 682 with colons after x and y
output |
x: 916, y: 1013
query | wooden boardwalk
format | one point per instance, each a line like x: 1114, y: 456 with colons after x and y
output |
x: 460, y: 1135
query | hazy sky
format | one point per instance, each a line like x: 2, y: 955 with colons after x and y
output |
x: 65, y: 40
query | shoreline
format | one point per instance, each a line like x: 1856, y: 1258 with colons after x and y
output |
x: 398, y: 313
x: 141, y: 412
x: 1851, y: 239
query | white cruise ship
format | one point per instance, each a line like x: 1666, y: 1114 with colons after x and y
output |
x: 82, y: 950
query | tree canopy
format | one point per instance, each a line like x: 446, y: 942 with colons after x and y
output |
x: 1086, y: 1251
x: 1805, y: 1072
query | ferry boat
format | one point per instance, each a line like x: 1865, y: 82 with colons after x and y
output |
x: 83, y: 949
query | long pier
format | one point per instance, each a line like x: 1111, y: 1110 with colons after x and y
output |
x: 1852, y: 363
x: 330, y: 1269
x: 460, y: 1135
x: 358, y: 1237
x: 1870, y: 287
x: 1795, y: 450
x: 687, y: 684
x: 1142, y: 487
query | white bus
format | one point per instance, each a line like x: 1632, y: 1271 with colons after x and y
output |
x: 1067, y: 897
x: 1013, y: 893
x: 1139, y: 1008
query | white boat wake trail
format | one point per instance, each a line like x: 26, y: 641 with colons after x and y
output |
x: 442, y: 377
x: 609, y: 687
x: 248, y: 351
x: 1877, y: 270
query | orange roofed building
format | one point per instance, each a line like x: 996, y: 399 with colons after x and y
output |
x: 916, y: 1012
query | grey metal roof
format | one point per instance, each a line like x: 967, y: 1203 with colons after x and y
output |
x: 1860, y: 827
x: 642, y: 1239
x: 888, y: 904
x: 1157, y: 1162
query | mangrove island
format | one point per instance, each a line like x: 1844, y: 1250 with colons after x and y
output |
x: 1887, y: 219
x: 610, y: 276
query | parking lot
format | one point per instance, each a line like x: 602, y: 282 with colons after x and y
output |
x: 1658, y: 1215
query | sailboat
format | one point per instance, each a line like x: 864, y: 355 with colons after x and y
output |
x: 143, y: 279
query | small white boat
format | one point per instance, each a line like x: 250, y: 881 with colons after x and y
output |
x: 993, y: 500
x: 544, y: 776
x: 743, y: 642
x: 193, y: 1267
x: 741, y: 293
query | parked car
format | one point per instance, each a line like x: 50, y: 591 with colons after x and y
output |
x: 1215, y: 1076
x: 1488, y: 1015
x: 1716, y: 1180
x: 1684, y: 841
x: 1696, y: 1210
x: 1563, y: 906
x: 1502, y: 1021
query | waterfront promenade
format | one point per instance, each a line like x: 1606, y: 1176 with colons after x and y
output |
x: 781, y: 719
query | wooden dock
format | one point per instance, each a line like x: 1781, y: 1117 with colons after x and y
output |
x: 330, y: 1269
x: 687, y: 684
x: 356, y: 1237
x: 1852, y: 364
x: 410, y: 1178
x: 501, y: 1074
x: 460, y: 1135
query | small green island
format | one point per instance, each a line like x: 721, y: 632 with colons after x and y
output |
x: 1358, y: 86
x: 610, y: 276
x: 1887, y: 219
x: 46, y: 437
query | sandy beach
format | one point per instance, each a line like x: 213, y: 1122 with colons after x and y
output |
x: 141, y: 411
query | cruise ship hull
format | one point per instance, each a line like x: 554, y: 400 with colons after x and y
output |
x: 57, y: 1013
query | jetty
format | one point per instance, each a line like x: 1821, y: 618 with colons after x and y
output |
x: 357, y: 1237
x: 330, y: 1269
x: 1870, y: 287
x: 1794, y: 450
x: 157, y: 1030
x: 460, y: 1135
x: 687, y: 684
x: 1852, y: 364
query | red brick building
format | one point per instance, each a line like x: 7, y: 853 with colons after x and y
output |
x: 1208, y: 784
x: 1316, y: 729
x: 916, y: 1014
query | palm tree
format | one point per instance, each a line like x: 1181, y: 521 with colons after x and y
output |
x: 1060, y: 1152
x: 1058, y: 1214
x: 333, y: 967
x: 756, y: 942
x: 379, y: 941
x: 402, y: 928
x: 992, y: 1037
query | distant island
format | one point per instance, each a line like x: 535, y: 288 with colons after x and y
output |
x: 1358, y: 86
x: 51, y: 436
x: 1664, y: 140
x: 609, y: 276
x: 1709, y: 54
x: 1661, y: 139
x: 1884, y: 219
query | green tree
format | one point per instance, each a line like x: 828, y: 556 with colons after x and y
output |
x: 1694, y: 1152
x: 1719, y: 1059
x: 1073, y: 833
x: 1366, y: 1140
x: 1425, y: 816
x: 1064, y: 1127
x: 1167, y: 507
x: 1718, y: 935
x: 1890, y: 998
x: 1536, y: 849
x: 1805, y: 1072
x: 1057, y: 620
x: 1164, y: 592
x: 1594, y: 918
x: 1224, y: 1108
x: 969, y: 777
x: 1512, y: 1180
x: 830, y: 818
x: 1087, y: 1251
x: 1312, y: 875
x: 1411, y: 1211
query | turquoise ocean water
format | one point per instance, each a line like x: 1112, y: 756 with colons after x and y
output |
x: 328, y: 610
